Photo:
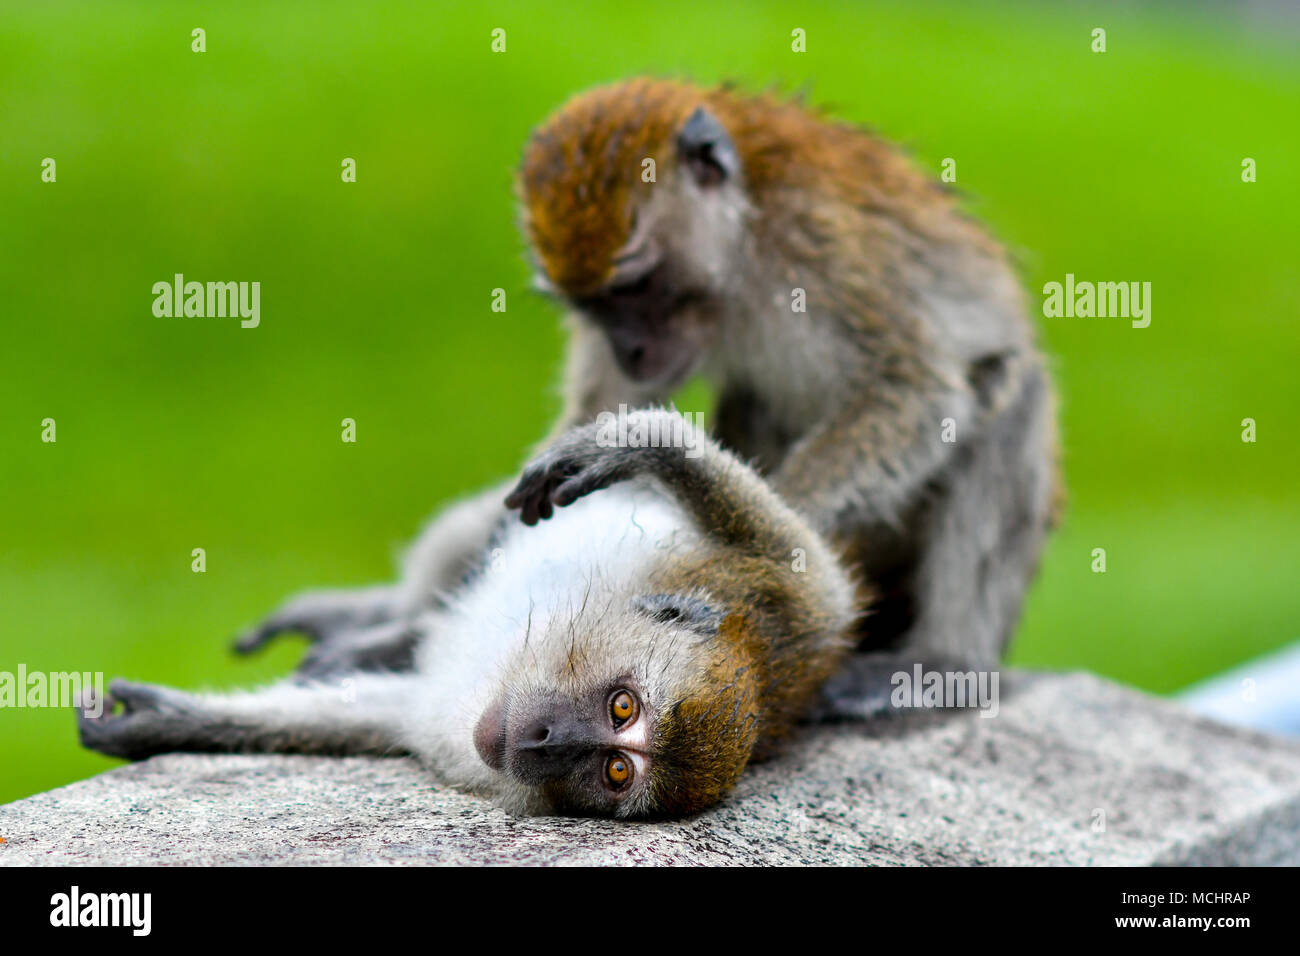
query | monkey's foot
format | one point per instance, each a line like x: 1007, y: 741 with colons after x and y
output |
x: 384, y: 647
x: 847, y: 700
x: 152, y: 720
x: 322, y: 614
x: 864, y: 687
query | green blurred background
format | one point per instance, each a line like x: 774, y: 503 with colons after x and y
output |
x: 182, y: 433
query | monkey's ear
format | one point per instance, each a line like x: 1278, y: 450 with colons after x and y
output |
x: 706, y: 149
x: 682, y: 610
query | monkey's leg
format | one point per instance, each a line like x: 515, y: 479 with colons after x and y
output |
x: 359, y: 716
x: 453, y: 545
x: 348, y: 626
x: 863, y: 686
x: 321, y: 614
x: 384, y: 647
x: 859, y: 690
x: 985, y: 536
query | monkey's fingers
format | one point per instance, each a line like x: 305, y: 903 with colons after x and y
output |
x: 529, y: 486
x: 537, y: 507
x: 149, y: 715
x: 580, y: 485
x: 384, y: 647
x: 92, y: 727
x: 525, y: 501
x: 318, y: 615
x: 533, y: 494
x: 523, y: 492
x: 253, y: 640
x: 263, y: 634
x: 151, y: 697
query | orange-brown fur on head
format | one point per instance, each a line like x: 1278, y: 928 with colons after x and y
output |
x: 581, y: 177
x: 582, y: 169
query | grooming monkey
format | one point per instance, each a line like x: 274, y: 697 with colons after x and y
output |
x: 625, y: 658
x: 905, y: 412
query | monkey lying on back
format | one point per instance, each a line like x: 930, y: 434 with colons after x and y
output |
x: 627, y: 658
x: 868, y: 345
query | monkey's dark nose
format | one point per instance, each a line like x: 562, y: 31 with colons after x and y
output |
x: 629, y: 351
x: 549, y: 744
x: 552, y: 732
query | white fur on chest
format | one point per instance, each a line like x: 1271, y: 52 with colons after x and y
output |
x: 610, y: 535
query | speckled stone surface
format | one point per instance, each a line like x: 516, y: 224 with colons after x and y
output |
x: 1030, y: 786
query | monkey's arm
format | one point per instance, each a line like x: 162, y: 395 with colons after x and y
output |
x: 987, y: 497
x: 729, y: 501
x: 866, y: 465
x: 360, y: 716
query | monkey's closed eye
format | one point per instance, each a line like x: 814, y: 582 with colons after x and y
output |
x: 633, y: 287
x: 618, y: 771
x: 622, y: 708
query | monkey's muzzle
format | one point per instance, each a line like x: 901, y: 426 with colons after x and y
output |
x: 535, y: 743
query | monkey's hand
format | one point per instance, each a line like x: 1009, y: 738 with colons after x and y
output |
x: 152, y: 720
x: 588, y: 458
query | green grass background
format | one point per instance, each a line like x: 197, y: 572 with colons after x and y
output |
x: 183, y: 433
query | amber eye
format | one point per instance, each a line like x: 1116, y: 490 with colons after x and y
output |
x: 622, y: 707
x: 618, y: 771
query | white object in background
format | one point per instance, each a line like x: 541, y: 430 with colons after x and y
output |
x: 1263, y: 694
